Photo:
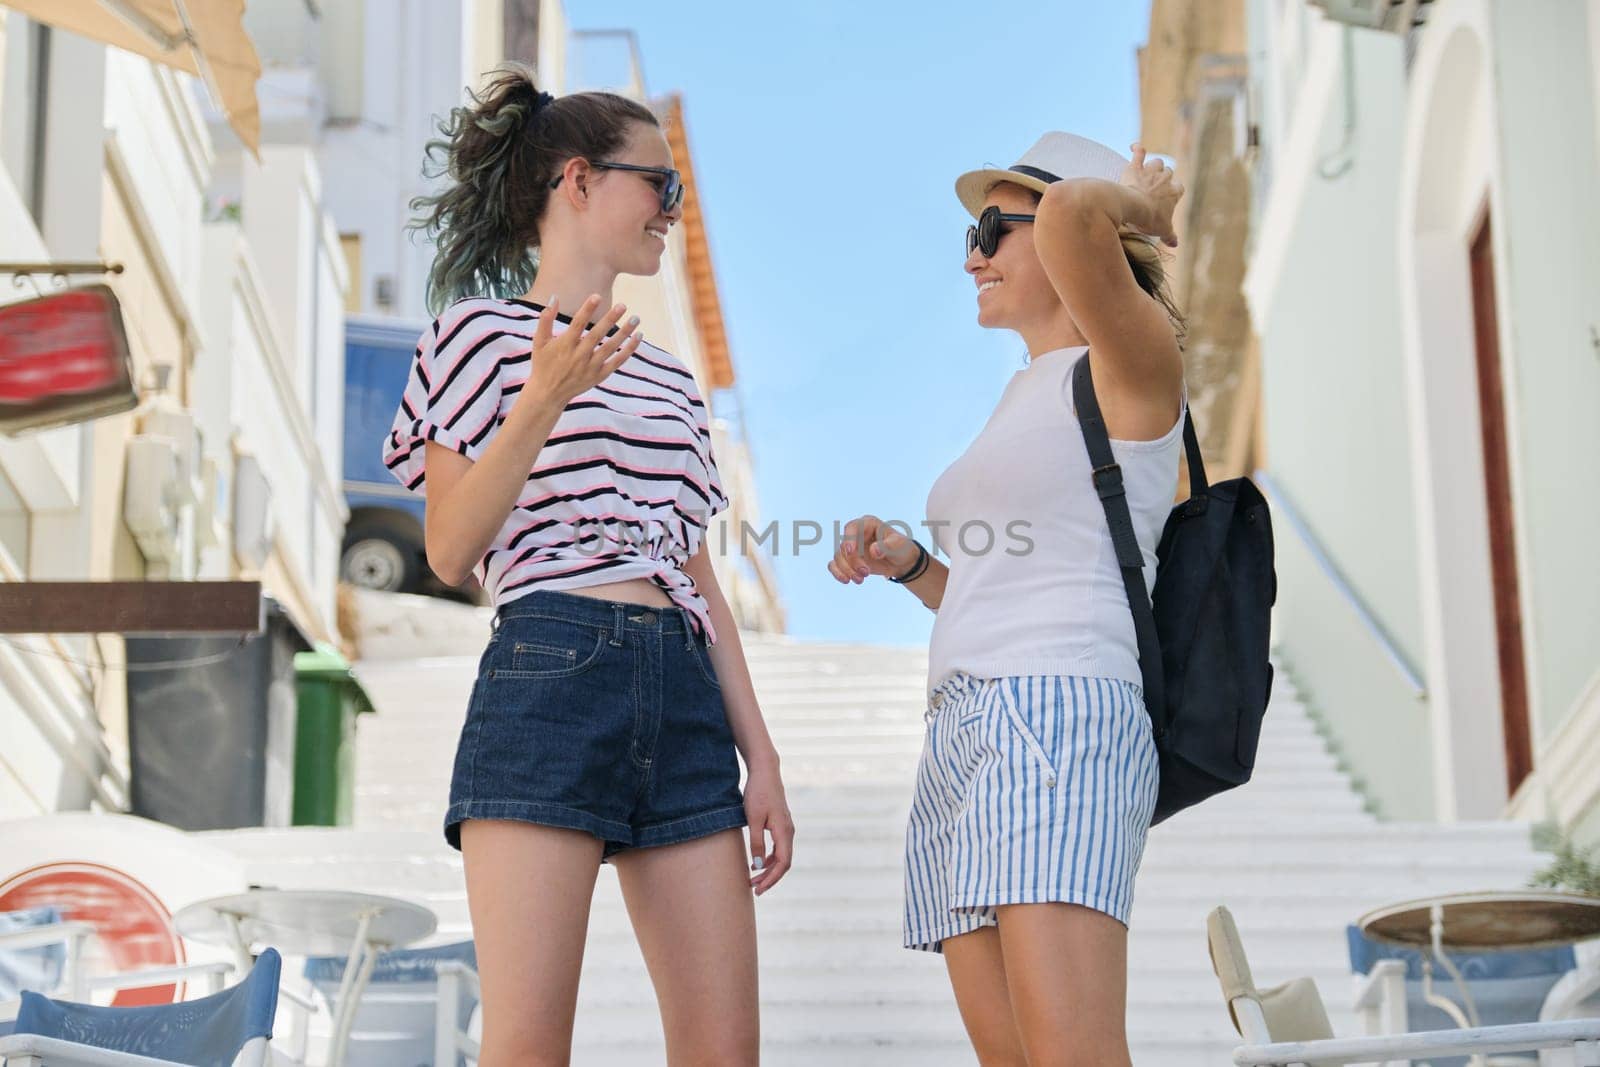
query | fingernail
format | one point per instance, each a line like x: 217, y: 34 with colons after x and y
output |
x: 632, y: 322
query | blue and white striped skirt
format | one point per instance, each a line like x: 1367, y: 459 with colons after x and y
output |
x: 1030, y: 789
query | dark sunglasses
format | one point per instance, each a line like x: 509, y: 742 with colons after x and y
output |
x: 671, y: 187
x: 985, y: 236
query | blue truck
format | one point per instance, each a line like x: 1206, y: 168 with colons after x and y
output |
x: 383, y: 545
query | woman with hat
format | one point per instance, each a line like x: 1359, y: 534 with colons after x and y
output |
x: 1038, y: 776
x: 567, y: 463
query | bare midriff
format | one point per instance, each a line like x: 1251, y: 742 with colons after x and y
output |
x: 632, y: 591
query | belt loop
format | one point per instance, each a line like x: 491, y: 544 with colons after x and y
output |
x: 616, y: 625
x: 689, y: 635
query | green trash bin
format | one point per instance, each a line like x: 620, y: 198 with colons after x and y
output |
x: 328, y: 699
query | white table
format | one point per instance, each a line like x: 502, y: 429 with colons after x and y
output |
x: 1523, y: 919
x: 312, y: 922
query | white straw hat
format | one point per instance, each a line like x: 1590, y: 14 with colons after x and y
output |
x: 1053, y: 157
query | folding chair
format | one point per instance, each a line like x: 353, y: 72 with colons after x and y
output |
x: 417, y: 1009
x: 231, y: 1027
x: 1505, y: 987
x: 1287, y: 1026
x: 1575, y: 996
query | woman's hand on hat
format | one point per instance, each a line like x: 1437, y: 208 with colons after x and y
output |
x: 580, y: 357
x: 1156, y: 180
x: 871, y: 546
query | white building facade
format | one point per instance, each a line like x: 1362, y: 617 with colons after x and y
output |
x: 1427, y: 297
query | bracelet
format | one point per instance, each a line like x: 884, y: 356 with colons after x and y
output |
x: 916, y: 568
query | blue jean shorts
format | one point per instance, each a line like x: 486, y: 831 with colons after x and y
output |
x: 601, y: 716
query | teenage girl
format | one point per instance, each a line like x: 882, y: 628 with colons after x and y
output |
x: 567, y: 464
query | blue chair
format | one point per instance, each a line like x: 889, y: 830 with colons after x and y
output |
x: 227, y: 1029
x: 1506, y: 987
x: 416, y: 1010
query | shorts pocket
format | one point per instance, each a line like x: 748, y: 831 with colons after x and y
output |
x: 1019, y: 723
x: 546, y: 648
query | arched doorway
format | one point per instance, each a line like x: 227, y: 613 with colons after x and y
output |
x: 1454, y: 373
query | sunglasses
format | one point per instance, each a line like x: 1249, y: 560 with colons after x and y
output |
x: 671, y: 185
x: 985, y: 236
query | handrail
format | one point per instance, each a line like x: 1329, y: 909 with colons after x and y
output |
x: 1386, y: 642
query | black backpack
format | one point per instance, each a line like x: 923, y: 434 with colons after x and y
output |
x: 1203, y: 647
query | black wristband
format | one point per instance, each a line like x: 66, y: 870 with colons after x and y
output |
x: 916, y: 568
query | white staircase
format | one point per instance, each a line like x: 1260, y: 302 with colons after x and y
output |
x: 1293, y: 854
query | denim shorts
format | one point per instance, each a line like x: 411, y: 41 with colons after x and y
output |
x: 601, y: 716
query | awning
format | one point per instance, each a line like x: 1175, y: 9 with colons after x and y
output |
x: 201, y: 37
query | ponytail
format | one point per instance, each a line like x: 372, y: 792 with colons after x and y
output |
x: 498, y: 156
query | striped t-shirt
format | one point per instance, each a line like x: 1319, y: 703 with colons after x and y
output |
x: 624, y: 485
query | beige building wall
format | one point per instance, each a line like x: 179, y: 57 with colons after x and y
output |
x: 128, y: 161
x: 1193, y: 104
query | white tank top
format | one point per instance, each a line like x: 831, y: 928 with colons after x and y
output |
x: 1034, y: 586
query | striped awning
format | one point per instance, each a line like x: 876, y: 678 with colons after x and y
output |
x: 205, y: 38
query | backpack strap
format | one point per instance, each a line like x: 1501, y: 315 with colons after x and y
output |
x: 1114, y: 499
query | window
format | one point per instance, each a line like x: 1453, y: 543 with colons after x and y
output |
x: 26, y: 100
x: 13, y: 524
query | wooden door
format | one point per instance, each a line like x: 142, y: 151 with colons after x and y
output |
x: 1502, y: 527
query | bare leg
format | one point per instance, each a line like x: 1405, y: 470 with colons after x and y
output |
x: 978, y: 976
x: 694, y: 916
x: 529, y: 889
x: 1067, y: 970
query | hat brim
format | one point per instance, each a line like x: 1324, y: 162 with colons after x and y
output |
x: 973, y: 187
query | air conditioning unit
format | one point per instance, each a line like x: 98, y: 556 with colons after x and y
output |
x: 253, y: 527
x: 150, y: 496
x: 165, y: 419
x: 1393, y: 16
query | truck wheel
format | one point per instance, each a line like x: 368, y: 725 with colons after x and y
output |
x: 380, y: 559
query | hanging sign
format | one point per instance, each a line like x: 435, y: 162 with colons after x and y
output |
x: 63, y: 359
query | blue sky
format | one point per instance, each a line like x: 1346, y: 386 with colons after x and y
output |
x: 827, y: 138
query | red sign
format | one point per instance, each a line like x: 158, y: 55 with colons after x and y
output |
x: 63, y: 358
x: 133, y: 930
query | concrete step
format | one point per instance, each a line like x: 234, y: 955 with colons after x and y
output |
x: 1294, y: 853
x: 870, y: 839
x: 618, y: 1026
x: 408, y: 808
x: 848, y: 835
